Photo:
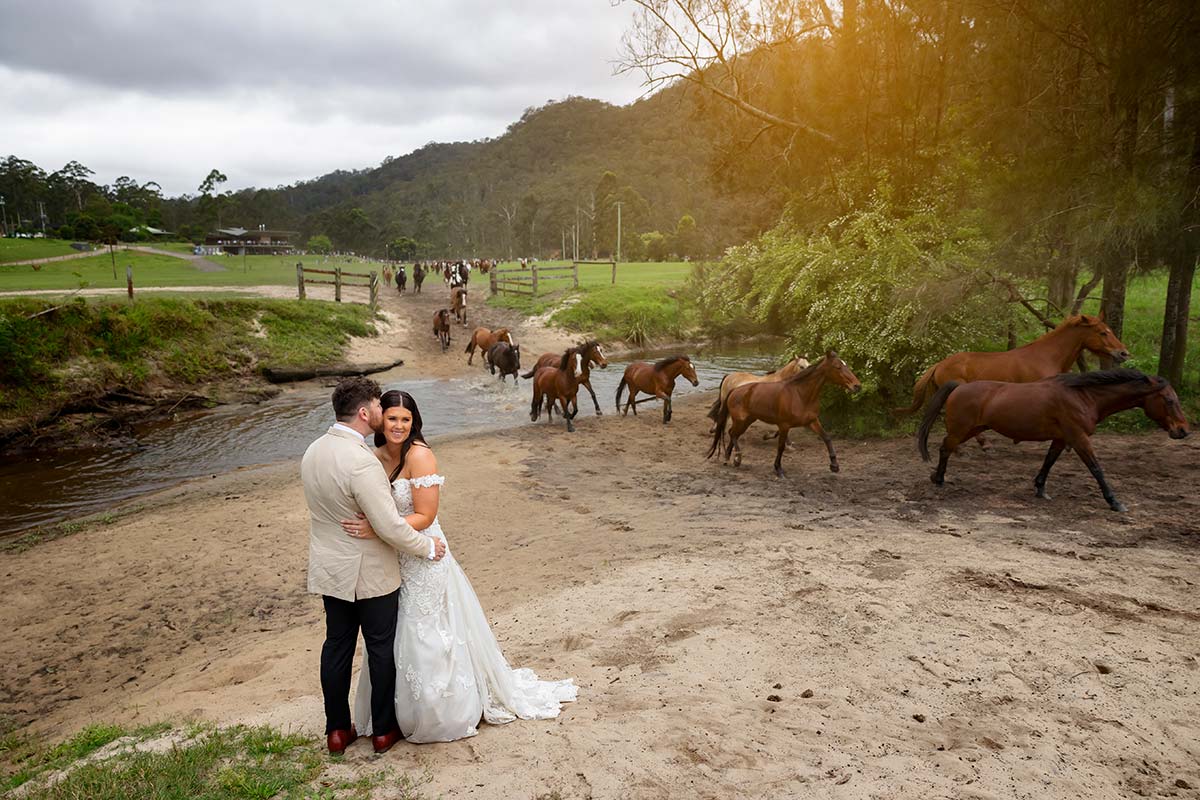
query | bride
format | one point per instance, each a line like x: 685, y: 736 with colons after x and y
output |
x: 450, y: 671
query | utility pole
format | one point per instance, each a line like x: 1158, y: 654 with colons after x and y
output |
x: 563, y: 252
x: 42, y: 214
x: 618, y: 230
x: 4, y: 213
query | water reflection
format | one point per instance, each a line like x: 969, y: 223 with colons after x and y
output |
x: 57, y: 485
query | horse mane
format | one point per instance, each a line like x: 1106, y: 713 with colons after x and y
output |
x: 584, y: 346
x: 566, y: 358
x: 1104, y: 377
x: 663, y: 363
x: 807, y: 372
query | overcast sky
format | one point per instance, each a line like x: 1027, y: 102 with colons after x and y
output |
x: 273, y: 92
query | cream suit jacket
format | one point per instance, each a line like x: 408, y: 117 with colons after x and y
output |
x: 341, y: 477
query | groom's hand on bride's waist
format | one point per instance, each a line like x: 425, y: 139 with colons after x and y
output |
x: 439, y: 548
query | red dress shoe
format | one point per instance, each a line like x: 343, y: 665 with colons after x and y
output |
x: 384, y: 743
x: 338, y: 741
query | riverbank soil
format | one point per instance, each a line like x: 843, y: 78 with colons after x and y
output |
x: 864, y: 634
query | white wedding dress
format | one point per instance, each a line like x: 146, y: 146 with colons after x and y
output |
x: 450, y: 670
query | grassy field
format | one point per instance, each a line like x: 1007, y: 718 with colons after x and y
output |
x: 24, y: 249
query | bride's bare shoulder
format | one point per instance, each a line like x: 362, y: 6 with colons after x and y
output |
x: 420, y: 461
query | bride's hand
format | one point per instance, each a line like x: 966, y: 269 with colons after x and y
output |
x: 359, y: 527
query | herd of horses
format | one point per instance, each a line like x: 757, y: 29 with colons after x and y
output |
x: 1025, y: 394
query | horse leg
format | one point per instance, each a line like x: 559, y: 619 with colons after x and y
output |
x: 1039, y: 483
x: 949, y: 445
x: 735, y: 431
x: 569, y: 415
x: 594, y: 400
x: 631, y: 404
x: 666, y: 398
x: 535, y: 408
x: 783, y: 437
x: 819, y: 431
x: 1083, y: 447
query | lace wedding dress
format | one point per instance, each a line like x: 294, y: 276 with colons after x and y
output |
x: 450, y: 670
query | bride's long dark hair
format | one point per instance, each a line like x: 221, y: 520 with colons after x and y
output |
x: 391, y: 399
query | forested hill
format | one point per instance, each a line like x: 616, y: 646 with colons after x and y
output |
x: 519, y: 193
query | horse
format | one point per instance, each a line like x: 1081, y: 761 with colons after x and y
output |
x: 506, y: 358
x: 656, y: 379
x: 561, y: 384
x: 418, y: 278
x: 793, y: 403
x: 1050, y: 354
x: 458, y: 303
x: 735, y: 379
x: 484, y: 338
x: 401, y: 279
x: 1063, y: 409
x: 446, y: 272
x: 592, y: 354
x: 441, y: 327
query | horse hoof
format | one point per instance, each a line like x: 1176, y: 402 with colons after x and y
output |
x: 1118, y: 506
x: 936, y: 480
x: 834, y: 468
x: 779, y: 473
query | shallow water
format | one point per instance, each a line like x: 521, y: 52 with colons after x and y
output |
x: 54, y: 486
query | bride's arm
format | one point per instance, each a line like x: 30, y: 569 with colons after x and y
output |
x: 421, y: 462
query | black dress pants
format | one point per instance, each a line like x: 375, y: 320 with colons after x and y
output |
x: 376, y: 617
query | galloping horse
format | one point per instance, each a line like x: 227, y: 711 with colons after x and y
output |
x: 441, y: 327
x: 458, y: 303
x: 656, y: 379
x: 506, y: 358
x: 401, y: 279
x: 788, y: 404
x: 1063, y: 409
x: 1050, y: 354
x: 736, y: 379
x: 592, y: 354
x: 484, y: 338
x: 418, y: 278
x: 561, y: 384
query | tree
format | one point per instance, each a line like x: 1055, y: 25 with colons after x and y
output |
x: 319, y: 244
x: 654, y: 245
x: 686, y: 241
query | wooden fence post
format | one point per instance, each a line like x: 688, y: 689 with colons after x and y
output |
x: 374, y: 289
x: 337, y: 284
x: 535, y: 271
x: 300, y: 278
x: 129, y: 279
x: 614, y: 277
x: 492, y: 279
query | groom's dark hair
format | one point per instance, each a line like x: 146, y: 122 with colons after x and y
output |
x: 351, y: 394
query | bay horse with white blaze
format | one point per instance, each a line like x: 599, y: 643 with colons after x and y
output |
x: 484, y: 338
x: 441, y: 327
x: 558, y: 384
x: 593, y: 354
x: 657, y: 379
x: 1063, y: 409
x: 793, y: 403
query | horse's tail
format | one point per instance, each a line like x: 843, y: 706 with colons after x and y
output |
x: 931, y: 414
x: 470, y: 346
x: 620, y: 388
x: 719, y: 432
x: 715, y: 409
x: 924, y: 386
x: 529, y: 374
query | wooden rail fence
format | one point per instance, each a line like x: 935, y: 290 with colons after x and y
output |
x: 529, y: 281
x: 338, y: 274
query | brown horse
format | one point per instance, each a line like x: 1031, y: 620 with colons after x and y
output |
x: 561, y: 384
x: 788, y: 404
x: 657, y: 379
x: 1050, y: 354
x: 1063, y: 409
x: 593, y: 354
x: 735, y: 379
x: 484, y: 338
x: 458, y: 303
x: 441, y: 327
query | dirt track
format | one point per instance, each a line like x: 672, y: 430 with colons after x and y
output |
x: 967, y: 641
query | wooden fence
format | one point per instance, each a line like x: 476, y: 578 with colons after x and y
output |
x: 612, y: 264
x: 530, y: 281
x: 338, y: 274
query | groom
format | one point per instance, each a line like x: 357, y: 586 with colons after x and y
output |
x: 358, y: 578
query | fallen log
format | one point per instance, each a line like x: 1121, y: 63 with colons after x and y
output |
x: 292, y: 374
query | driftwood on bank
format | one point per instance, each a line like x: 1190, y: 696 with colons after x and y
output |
x: 290, y: 375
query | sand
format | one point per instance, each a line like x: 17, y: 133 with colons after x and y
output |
x: 863, y: 634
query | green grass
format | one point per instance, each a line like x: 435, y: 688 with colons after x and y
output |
x: 151, y: 270
x: 239, y: 763
x: 88, y: 347
x: 12, y: 249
